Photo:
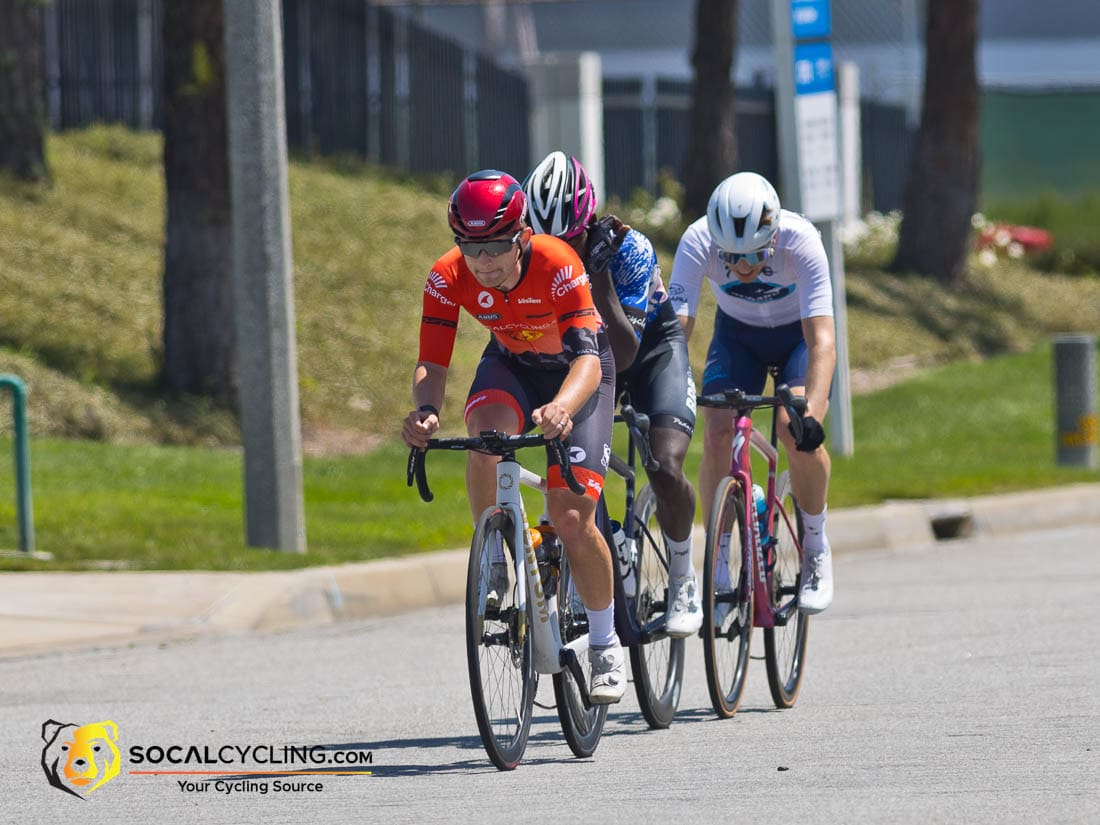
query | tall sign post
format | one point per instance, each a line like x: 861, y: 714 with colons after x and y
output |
x: 809, y: 163
x: 263, y: 283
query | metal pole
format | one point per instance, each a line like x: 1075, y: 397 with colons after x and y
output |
x: 1075, y: 396
x: 263, y: 282
x: 23, y: 506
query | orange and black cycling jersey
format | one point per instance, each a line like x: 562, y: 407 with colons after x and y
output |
x: 545, y: 321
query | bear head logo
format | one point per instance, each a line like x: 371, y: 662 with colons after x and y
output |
x: 78, y: 759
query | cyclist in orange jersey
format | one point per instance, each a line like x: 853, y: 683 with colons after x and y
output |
x: 548, y: 364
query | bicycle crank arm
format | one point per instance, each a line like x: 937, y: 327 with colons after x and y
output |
x: 570, y: 662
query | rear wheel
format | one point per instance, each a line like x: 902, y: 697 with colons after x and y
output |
x: 658, y: 667
x: 582, y: 727
x: 498, y: 645
x: 727, y: 600
x: 785, y: 644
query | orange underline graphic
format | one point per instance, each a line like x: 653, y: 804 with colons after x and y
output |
x: 251, y: 773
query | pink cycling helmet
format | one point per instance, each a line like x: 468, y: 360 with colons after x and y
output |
x: 561, y: 196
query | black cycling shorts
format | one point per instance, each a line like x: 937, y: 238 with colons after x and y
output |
x: 501, y: 379
x: 659, y: 381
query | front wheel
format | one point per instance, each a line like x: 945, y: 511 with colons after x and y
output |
x: 658, y: 667
x: 785, y: 644
x: 581, y: 726
x: 727, y: 600
x: 498, y: 643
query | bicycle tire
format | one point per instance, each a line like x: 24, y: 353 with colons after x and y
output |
x: 726, y: 646
x: 582, y: 727
x: 498, y: 648
x: 785, y: 646
x: 658, y: 667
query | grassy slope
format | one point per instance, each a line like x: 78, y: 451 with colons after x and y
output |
x: 80, y: 322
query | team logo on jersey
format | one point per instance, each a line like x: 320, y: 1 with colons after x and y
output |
x: 528, y: 335
x: 758, y: 292
x: 564, y: 282
x: 485, y: 299
x: 435, y: 286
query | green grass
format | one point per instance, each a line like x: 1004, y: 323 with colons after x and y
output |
x: 80, y: 322
x: 953, y: 431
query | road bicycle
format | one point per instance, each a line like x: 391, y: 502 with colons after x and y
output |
x: 656, y: 659
x: 536, y: 624
x: 753, y: 564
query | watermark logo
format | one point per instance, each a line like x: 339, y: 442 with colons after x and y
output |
x: 79, y: 759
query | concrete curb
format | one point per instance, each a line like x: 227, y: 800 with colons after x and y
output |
x: 49, y: 612
x: 392, y: 586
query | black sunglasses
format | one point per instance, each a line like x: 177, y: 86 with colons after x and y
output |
x: 492, y: 248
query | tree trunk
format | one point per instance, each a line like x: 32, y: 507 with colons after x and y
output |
x: 712, y: 142
x: 941, y: 194
x: 22, y: 109
x: 199, y: 332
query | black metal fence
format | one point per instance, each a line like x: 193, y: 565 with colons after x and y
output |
x: 363, y: 80
x: 358, y: 79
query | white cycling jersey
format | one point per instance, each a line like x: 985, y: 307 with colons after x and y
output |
x: 794, y: 283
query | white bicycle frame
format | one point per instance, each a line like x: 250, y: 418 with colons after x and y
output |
x: 546, y: 643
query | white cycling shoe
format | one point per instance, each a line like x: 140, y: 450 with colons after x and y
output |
x: 684, y: 616
x: 816, y: 592
x: 608, y: 681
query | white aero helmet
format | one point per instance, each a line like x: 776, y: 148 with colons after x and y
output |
x: 743, y: 213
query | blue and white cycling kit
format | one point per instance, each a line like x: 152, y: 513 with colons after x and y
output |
x: 660, y: 380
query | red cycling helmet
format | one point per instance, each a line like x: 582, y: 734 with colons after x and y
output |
x: 487, y: 204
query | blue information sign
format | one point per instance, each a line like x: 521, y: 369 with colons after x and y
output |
x: 810, y: 19
x: 813, y: 68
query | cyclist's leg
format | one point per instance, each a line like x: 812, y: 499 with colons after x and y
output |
x: 662, y: 387
x: 732, y: 361
x: 589, y: 556
x: 810, y: 484
x: 498, y: 400
x: 574, y: 516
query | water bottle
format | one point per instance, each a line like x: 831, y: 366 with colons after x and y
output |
x: 760, y: 501
x: 548, y: 552
x: 624, y: 551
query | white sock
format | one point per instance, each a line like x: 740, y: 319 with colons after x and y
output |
x: 679, y: 558
x: 814, y: 539
x: 601, y: 627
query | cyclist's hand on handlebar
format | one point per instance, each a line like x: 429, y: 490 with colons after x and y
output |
x: 554, y: 420
x: 419, y: 426
x: 812, y: 434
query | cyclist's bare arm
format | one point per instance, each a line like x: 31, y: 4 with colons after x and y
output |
x: 820, y: 336
x: 556, y: 418
x: 620, y: 332
x: 429, y: 384
x: 688, y: 323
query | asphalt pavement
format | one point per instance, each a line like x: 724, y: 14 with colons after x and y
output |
x: 45, y: 611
